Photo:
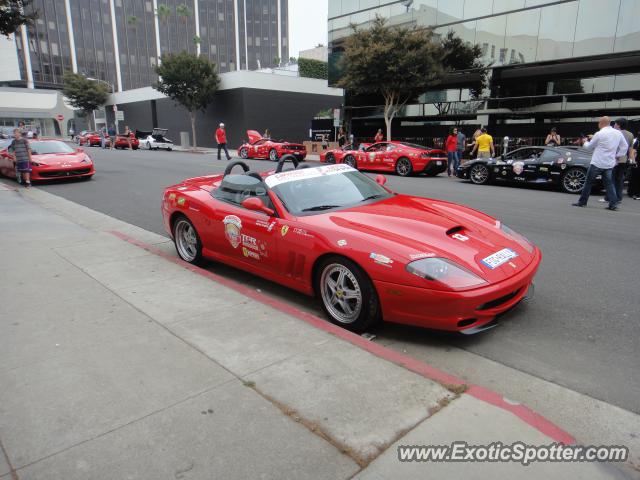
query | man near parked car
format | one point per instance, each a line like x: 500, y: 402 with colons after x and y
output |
x: 20, y: 152
x: 221, y: 139
x: 607, y: 145
x: 620, y: 170
x: 462, y: 141
x: 484, y: 145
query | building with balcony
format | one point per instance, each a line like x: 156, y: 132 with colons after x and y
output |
x: 556, y: 63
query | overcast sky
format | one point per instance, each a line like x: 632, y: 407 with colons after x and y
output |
x: 307, y: 24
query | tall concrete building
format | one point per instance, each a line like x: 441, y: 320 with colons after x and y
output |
x: 552, y: 63
x: 121, y: 41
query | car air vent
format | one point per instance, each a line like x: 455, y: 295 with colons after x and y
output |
x: 453, y: 230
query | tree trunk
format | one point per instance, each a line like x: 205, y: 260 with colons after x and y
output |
x: 193, y: 128
x: 389, y: 113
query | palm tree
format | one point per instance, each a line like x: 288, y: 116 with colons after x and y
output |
x: 183, y: 12
x: 163, y: 12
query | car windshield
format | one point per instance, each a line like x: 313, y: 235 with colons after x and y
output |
x: 43, y: 148
x: 315, y: 190
x: 4, y: 143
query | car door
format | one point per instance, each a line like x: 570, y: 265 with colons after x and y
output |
x: 372, y: 156
x: 244, y: 236
x: 258, y: 148
x: 512, y: 166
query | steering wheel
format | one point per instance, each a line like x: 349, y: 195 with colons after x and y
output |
x: 230, y: 167
x: 284, y: 158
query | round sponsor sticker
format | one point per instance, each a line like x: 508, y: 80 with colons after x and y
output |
x: 232, y: 228
x: 518, y: 168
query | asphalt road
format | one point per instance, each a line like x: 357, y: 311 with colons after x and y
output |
x: 582, y: 331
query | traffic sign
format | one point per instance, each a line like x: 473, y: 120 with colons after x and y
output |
x: 60, y: 117
x: 120, y: 116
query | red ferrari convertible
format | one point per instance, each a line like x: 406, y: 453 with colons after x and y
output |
x: 400, y: 157
x: 51, y: 159
x: 366, y: 252
x: 265, y: 148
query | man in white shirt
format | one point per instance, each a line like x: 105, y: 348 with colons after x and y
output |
x: 606, y: 145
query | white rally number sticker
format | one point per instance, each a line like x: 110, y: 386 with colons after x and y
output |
x: 498, y: 258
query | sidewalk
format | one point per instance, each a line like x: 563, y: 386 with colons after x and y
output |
x: 117, y: 361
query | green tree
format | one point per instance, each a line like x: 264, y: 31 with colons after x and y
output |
x: 132, y: 21
x: 396, y: 63
x: 313, y: 68
x: 184, y: 12
x: 189, y: 80
x: 461, y: 55
x: 84, y: 94
x: 163, y: 13
x: 13, y: 14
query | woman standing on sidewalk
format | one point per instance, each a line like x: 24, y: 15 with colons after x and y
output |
x: 451, y: 146
x: 21, y: 155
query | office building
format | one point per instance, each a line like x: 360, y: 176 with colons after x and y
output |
x: 552, y: 63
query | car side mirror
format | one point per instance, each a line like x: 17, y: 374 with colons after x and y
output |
x: 257, y: 205
x: 381, y: 180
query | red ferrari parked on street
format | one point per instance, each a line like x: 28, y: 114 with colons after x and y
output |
x: 366, y: 252
x: 265, y: 148
x: 89, y: 139
x: 123, y: 142
x: 52, y: 159
x: 400, y: 157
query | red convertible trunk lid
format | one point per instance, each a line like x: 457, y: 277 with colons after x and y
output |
x: 253, y: 136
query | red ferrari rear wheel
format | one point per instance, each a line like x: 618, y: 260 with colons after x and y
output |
x: 347, y: 294
x: 187, y: 241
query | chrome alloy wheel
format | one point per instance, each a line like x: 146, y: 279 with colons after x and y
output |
x: 186, y: 240
x: 341, y: 293
x: 574, y: 180
x: 479, y: 174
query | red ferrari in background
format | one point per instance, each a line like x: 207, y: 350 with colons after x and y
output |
x: 123, y: 142
x: 265, y: 148
x: 400, y: 157
x: 51, y: 159
x: 366, y: 252
x: 89, y: 139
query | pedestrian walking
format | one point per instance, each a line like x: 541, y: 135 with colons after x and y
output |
x: 606, y: 145
x: 553, y: 139
x: 72, y: 134
x: 451, y: 147
x: 103, y: 137
x: 221, y: 139
x: 462, y: 140
x: 112, y: 137
x: 379, y: 136
x: 20, y: 152
x: 484, y: 145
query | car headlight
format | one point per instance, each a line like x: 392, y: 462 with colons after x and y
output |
x: 521, y: 239
x: 444, y: 272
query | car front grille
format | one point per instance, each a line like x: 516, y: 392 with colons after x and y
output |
x: 64, y: 173
x: 499, y: 301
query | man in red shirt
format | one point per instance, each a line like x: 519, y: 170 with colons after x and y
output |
x: 221, y: 138
x: 451, y: 146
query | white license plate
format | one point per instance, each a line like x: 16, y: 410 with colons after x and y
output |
x: 498, y: 258
x: 438, y: 163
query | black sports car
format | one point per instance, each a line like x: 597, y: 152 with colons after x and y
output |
x: 563, y: 167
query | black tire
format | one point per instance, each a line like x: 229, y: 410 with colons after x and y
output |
x: 479, y: 174
x: 244, y: 153
x: 573, y: 180
x: 193, y: 254
x: 273, y: 155
x: 329, y: 158
x: 404, y: 167
x: 351, y: 161
x: 366, y: 307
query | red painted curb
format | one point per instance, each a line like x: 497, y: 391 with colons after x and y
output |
x: 523, y: 412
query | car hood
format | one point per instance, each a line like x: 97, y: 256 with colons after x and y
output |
x: 60, y: 159
x: 408, y: 228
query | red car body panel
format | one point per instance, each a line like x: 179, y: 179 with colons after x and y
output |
x: 383, y: 156
x: 91, y: 139
x: 261, y: 148
x: 51, y: 166
x: 402, y: 228
x: 123, y: 142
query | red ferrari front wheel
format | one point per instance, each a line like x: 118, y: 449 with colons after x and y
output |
x: 347, y: 294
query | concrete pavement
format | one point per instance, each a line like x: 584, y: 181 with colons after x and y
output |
x: 118, y: 361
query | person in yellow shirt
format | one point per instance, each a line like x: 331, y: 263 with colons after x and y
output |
x: 484, y: 145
